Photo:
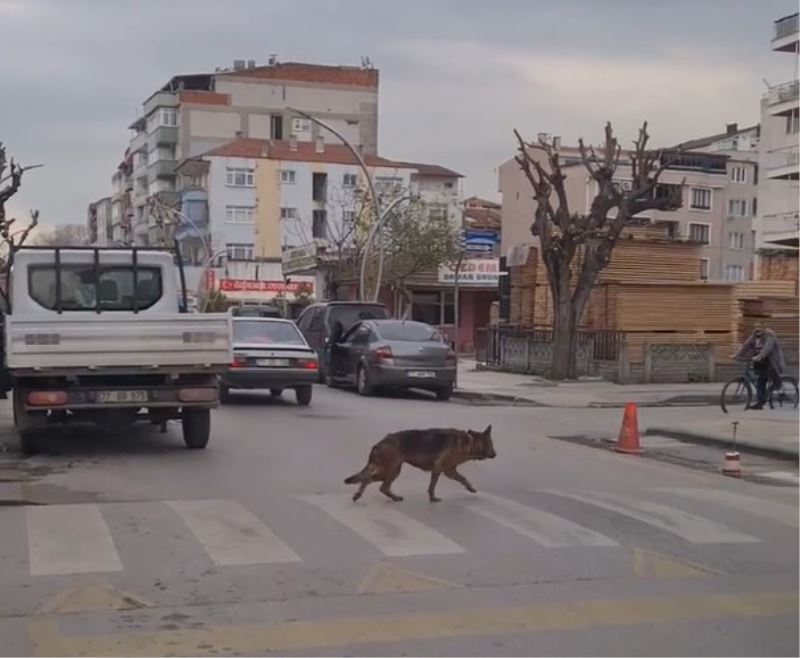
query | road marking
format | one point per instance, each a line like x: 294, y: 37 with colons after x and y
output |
x: 542, y: 527
x: 386, y: 578
x: 695, y: 529
x: 303, y: 636
x: 230, y: 534
x: 393, y: 533
x: 649, y: 564
x: 69, y: 539
x: 88, y: 595
x: 780, y: 476
x: 775, y: 511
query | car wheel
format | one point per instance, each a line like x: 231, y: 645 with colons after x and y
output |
x: 303, y: 395
x: 276, y: 392
x: 224, y: 395
x: 196, y: 428
x: 362, y: 381
x: 444, y: 393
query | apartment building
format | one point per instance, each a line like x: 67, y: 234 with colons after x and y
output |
x: 99, y: 222
x: 777, y: 221
x: 192, y: 114
x: 718, y: 204
x: 256, y: 199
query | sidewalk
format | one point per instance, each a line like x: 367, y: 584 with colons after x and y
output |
x: 529, y: 389
x: 773, y: 433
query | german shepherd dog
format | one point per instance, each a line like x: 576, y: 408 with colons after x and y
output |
x: 433, y: 450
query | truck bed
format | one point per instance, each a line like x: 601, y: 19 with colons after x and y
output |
x: 108, y: 340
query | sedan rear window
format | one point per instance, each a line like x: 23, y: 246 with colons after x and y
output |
x: 253, y: 331
x: 350, y: 316
x: 407, y: 331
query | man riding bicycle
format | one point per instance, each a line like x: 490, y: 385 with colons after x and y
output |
x: 768, y: 361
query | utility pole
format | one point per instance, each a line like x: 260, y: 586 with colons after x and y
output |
x: 457, y: 300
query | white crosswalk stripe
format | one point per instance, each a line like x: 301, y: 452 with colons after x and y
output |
x: 393, y: 533
x: 542, y: 527
x: 695, y: 529
x: 69, y: 539
x: 769, y: 509
x: 230, y: 534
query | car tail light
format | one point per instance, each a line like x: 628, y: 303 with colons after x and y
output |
x: 197, y: 394
x: 307, y: 364
x: 383, y: 353
x: 239, y: 361
x: 47, y: 398
x: 451, y: 356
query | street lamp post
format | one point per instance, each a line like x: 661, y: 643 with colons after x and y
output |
x: 208, y: 263
x: 375, y: 204
x: 457, y: 302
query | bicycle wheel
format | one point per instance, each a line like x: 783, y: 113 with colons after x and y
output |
x: 786, y: 395
x: 736, y: 395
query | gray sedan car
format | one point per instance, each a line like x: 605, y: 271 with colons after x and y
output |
x: 270, y: 354
x: 393, y: 353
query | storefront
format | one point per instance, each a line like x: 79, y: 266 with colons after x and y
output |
x: 433, y: 299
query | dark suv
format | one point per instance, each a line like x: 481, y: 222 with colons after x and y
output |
x: 319, y: 323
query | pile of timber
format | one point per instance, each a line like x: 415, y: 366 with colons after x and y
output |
x: 782, y: 266
x: 769, y: 304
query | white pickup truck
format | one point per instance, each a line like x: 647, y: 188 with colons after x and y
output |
x: 101, y: 335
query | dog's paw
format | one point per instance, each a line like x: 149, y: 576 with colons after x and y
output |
x: 398, y: 499
x: 356, y: 497
x: 472, y: 490
x: 434, y: 499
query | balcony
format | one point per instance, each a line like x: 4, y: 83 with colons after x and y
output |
x: 783, y: 165
x: 162, y: 135
x: 161, y: 169
x: 160, y: 99
x: 782, y: 229
x: 786, y: 34
x: 783, y: 99
x: 138, y: 142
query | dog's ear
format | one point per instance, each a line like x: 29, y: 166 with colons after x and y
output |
x: 488, y: 431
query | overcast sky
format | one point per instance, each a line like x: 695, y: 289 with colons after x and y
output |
x: 456, y: 76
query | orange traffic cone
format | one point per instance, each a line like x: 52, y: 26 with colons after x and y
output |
x: 628, y: 441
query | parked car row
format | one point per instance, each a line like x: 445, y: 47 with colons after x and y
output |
x: 340, y: 344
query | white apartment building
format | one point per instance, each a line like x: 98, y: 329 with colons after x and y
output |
x: 192, y: 114
x: 777, y: 222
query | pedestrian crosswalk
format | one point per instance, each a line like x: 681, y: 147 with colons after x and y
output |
x: 80, y: 538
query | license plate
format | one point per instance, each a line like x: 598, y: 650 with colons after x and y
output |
x: 274, y: 363
x: 122, y: 396
x: 422, y: 374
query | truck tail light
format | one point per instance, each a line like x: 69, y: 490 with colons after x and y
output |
x: 383, y: 353
x: 197, y: 394
x: 47, y: 398
x: 308, y: 364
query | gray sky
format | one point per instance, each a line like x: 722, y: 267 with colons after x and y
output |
x: 456, y: 75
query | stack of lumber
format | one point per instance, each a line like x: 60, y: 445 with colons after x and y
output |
x: 779, y: 314
x: 523, y: 287
x: 779, y: 267
x: 766, y: 289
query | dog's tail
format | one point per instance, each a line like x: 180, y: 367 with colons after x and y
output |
x: 363, y: 475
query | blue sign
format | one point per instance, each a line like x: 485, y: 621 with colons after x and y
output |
x: 481, y: 240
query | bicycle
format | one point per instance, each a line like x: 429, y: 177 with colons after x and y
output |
x: 741, y: 389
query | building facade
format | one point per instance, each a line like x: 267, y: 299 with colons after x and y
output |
x: 777, y: 221
x: 718, y: 205
x: 192, y: 114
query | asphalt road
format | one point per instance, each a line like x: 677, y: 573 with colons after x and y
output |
x: 133, y: 545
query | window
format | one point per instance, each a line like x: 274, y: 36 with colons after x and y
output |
x: 755, y: 206
x: 736, y: 241
x: 737, y: 208
x: 288, y: 213
x: 437, y: 211
x: 239, y: 177
x: 349, y: 180
x: 266, y: 332
x: 435, y: 308
x: 79, y: 288
x: 300, y: 125
x: 700, y: 233
x: 239, y: 251
x: 319, y: 224
x: 793, y: 122
x: 319, y: 187
x: 704, y: 267
x: 349, y: 218
x: 288, y: 176
x: 449, y: 185
x: 388, y: 183
x: 239, y: 214
x: 169, y: 117
x: 739, y: 174
x: 407, y: 332
x: 734, y: 273
x: 701, y: 198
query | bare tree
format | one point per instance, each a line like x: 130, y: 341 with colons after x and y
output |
x: 582, y: 244
x: 63, y: 235
x: 10, y: 235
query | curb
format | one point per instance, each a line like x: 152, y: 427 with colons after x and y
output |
x: 710, y: 439
x: 680, y: 401
x: 474, y: 396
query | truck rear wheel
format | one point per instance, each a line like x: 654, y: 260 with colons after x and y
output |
x: 196, y: 428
